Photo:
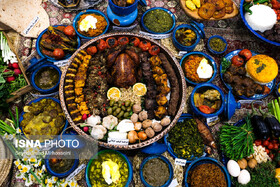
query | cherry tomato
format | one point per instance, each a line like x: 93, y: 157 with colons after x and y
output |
x: 246, y: 54
x: 265, y: 143
x: 154, y: 50
x: 205, y: 109
x: 91, y: 50
x: 111, y: 42
x: 145, y: 45
x: 267, y: 151
x: 69, y: 31
x: 237, y: 61
x: 274, y: 141
x: 258, y: 142
x: 135, y: 41
x: 271, y: 156
x: 101, y: 45
x: 58, y: 53
x: 275, y: 146
x: 270, y: 146
x: 123, y: 40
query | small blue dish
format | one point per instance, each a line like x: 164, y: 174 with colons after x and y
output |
x: 207, y: 160
x: 123, y: 11
x: 121, y: 20
x: 61, y: 175
x: 154, y: 149
x: 89, y: 11
x: 242, y: 13
x: 198, y: 28
x: 277, y: 90
x: 51, y: 59
x: 37, y: 65
x: 163, y: 159
x: 130, y: 172
x: 212, y: 50
x: 210, y: 60
x: 158, y: 8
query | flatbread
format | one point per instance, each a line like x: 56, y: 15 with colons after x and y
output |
x: 24, y: 16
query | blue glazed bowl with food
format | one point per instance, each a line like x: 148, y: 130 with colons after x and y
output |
x: 185, y: 37
x: 57, y: 42
x: 61, y: 162
x: 156, y: 170
x: 206, y: 171
x: 107, y: 160
x: 198, y: 67
x: 123, y: 8
x: 217, y: 45
x: 207, y: 100
x: 90, y: 24
x: 158, y: 20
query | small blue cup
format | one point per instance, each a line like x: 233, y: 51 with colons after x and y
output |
x: 212, y: 50
x: 123, y: 11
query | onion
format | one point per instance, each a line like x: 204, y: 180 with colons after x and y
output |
x: 132, y: 136
x: 142, y: 135
x: 138, y: 126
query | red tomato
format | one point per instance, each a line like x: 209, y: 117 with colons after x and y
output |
x: 111, y: 42
x: 144, y: 45
x: 237, y: 60
x: 274, y: 141
x: 58, y: 53
x: 246, y: 54
x: 91, y: 50
x: 271, y: 156
x: 267, y: 151
x: 275, y: 146
x: 270, y: 146
x: 154, y: 50
x: 69, y: 31
x: 258, y: 142
x: 205, y: 109
x: 265, y: 143
x: 135, y: 41
x: 101, y: 45
x: 123, y: 40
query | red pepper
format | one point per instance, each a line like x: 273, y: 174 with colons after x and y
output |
x: 154, y: 50
x: 101, y: 45
x: 111, y: 42
x: 135, y: 41
x: 123, y: 40
x: 205, y: 109
x: 145, y: 45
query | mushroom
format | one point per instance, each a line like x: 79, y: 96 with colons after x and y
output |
x: 157, y: 127
x: 165, y: 121
x: 143, y: 115
x: 150, y: 132
x: 136, y: 108
x: 147, y: 123
x: 134, y: 118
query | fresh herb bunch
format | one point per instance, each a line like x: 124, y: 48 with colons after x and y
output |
x: 185, y: 140
x: 262, y: 175
x: 225, y: 64
x: 237, y: 142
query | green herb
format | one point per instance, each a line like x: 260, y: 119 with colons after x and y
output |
x: 259, y: 69
x: 217, y: 44
x: 18, y: 83
x: 225, y: 64
x: 237, y: 142
x: 158, y: 21
x: 185, y: 140
x: 262, y: 175
x: 256, y: 61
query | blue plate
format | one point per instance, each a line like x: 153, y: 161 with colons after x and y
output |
x: 211, y: 62
x: 242, y: 13
x: 169, y: 148
x: 89, y: 11
x: 67, y: 55
x: 159, y: 8
x: 270, y: 85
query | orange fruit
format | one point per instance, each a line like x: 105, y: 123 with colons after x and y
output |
x: 139, y: 89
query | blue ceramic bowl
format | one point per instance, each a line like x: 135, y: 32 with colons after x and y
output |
x: 61, y: 175
x: 276, y: 90
x: 204, y: 87
x: 242, y: 13
x: 89, y: 11
x: 207, y: 160
x: 68, y: 55
x: 130, y: 172
x: 210, y: 60
x: 166, y: 161
x: 123, y: 11
x: 51, y: 90
x: 35, y: 101
x: 212, y: 50
x: 184, y: 47
x: 159, y: 8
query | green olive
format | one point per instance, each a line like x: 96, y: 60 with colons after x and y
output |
x: 118, y: 110
x: 109, y: 111
x: 120, y: 114
x: 114, y: 108
x: 115, y: 113
x: 128, y: 109
x: 131, y: 104
x: 126, y: 115
x: 123, y: 108
x: 112, y: 102
x: 127, y: 103
x: 119, y: 104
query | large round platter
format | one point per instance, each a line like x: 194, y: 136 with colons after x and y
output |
x: 181, y: 102
x: 270, y: 85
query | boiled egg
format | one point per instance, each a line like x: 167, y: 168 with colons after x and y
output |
x: 204, y: 70
x: 110, y: 172
x: 87, y: 23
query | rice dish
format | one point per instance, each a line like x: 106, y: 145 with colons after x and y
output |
x: 262, y: 18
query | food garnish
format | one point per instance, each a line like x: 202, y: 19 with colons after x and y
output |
x: 114, y: 93
x: 139, y: 89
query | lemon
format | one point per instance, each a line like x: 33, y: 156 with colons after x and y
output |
x: 139, y: 89
x: 114, y: 93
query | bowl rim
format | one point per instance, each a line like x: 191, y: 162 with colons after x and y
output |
x: 276, y: 89
x: 218, y: 112
x: 50, y: 58
x: 61, y: 175
x: 171, y: 172
x: 160, y: 8
x: 209, y: 58
x: 215, y: 162
x: 212, y: 50
x: 127, y: 7
x: 130, y: 169
x: 50, y: 90
x: 185, y: 26
x: 88, y: 11
x: 242, y: 13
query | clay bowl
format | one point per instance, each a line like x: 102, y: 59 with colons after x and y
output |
x: 181, y: 103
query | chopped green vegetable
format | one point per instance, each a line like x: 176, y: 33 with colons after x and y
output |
x: 225, y: 64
